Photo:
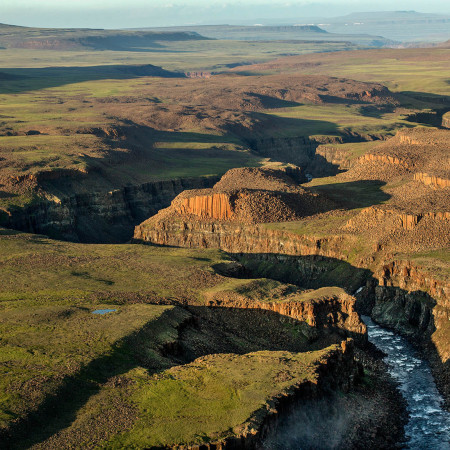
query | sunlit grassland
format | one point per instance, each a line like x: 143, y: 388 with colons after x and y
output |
x: 34, y: 267
x: 178, y: 55
x: 422, y: 70
x: 337, y: 118
x: 48, y: 291
x: 43, y: 343
x: 212, y: 398
x: 401, y: 76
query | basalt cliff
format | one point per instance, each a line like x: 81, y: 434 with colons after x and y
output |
x: 390, y: 253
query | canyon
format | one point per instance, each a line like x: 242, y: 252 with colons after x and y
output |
x: 252, y: 221
x: 398, y: 292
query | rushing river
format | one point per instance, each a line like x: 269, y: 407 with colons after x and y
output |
x: 429, y: 423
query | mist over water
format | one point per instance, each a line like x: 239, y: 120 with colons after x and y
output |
x: 313, y: 424
x: 324, y: 423
x: 429, y: 424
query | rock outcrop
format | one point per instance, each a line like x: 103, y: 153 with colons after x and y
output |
x: 446, y: 120
x: 432, y: 180
x: 331, y: 313
x: 248, y: 196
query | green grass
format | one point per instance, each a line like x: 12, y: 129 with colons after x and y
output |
x: 178, y: 56
x: 43, y: 344
x: 402, y: 70
x: 48, y: 334
x: 435, y: 262
x: 212, y: 398
x: 34, y: 267
x: 337, y: 118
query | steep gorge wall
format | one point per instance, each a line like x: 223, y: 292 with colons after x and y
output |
x: 337, y: 371
x: 101, y: 216
x: 235, y: 238
x: 332, y: 314
x: 399, y: 295
x: 409, y: 300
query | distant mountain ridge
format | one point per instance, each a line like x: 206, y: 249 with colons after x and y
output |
x: 392, y: 16
x: 259, y: 32
x: 404, y: 26
x: 12, y: 36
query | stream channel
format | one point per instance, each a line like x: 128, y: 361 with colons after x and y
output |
x: 324, y: 423
x: 429, y: 424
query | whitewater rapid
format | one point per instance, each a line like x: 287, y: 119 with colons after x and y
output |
x: 429, y: 424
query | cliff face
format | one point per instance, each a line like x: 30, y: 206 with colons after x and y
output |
x: 212, y: 206
x: 101, y: 216
x: 235, y: 238
x: 330, y: 314
x: 385, y: 159
x: 332, y: 155
x: 432, y: 180
x: 417, y: 305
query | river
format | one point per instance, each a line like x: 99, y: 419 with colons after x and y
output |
x: 429, y: 424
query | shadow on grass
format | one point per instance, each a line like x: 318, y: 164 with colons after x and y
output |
x: 4, y: 194
x: 221, y: 329
x: 16, y: 80
x: 355, y: 194
x: 376, y: 111
x: 210, y: 330
x: 60, y: 408
x: 269, y: 102
x: 425, y: 99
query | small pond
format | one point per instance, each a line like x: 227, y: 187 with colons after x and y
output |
x: 103, y: 311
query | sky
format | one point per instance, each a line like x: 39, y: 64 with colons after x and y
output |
x: 148, y: 13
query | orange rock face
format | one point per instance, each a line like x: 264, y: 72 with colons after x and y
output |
x: 431, y: 180
x: 213, y: 206
x: 385, y: 158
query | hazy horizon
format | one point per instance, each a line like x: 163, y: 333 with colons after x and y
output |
x: 163, y: 13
